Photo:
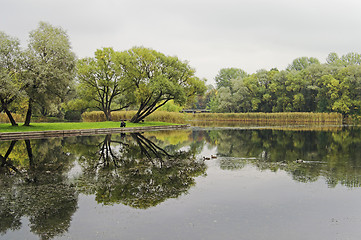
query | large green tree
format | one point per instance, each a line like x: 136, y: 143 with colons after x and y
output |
x: 9, y: 67
x: 48, y: 67
x: 351, y: 59
x: 100, y: 82
x: 302, y: 63
x: 235, y: 98
x: 156, y: 79
x: 258, y: 85
x: 226, y: 75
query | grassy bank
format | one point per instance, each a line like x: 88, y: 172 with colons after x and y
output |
x: 4, y: 127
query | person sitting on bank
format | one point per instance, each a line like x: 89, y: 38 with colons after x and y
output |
x: 122, y: 124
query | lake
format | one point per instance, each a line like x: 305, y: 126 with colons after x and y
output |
x: 234, y: 182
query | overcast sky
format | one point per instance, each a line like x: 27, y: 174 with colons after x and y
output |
x: 210, y: 34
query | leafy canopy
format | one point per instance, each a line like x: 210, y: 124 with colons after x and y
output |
x: 156, y: 79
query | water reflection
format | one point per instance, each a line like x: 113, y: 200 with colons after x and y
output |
x: 306, y: 155
x: 130, y: 169
x: 136, y: 171
x: 33, y: 186
x: 41, y: 180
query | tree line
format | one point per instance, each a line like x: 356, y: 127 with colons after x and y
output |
x: 48, y: 79
x: 305, y: 85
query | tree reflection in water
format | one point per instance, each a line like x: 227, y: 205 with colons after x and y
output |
x: 33, y: 186
x: 144, y: 170
x: 135, y: 171
x: 333, y: 155
x: 129, y: 169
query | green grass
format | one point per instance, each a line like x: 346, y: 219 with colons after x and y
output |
x: 5, y: 127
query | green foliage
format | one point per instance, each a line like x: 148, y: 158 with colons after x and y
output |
x: 101, y: 84
x: 10, y: 87
x: 226, y: 75
x: 41, y: 80
x: 48, y: 68
x: 306, y: 86
x: 72, y: 115
x: 301, y: 63
x: 170, y: 107
x: 155, y: 79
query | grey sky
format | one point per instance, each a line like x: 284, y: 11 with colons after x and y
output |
x: 210, y: 34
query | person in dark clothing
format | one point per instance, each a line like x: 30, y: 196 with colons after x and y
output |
x: 122, y: 123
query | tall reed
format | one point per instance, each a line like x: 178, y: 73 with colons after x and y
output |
x: 158, y: 116
x: 284, y: 117
x: 175, y: 117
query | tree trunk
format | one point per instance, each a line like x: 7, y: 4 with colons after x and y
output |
x: 3, y: 159
x: 109, y: 115
x: 135, y: 118
x: 8, y: 113
x: 146, y: 111
x: 12, y: 120
x: 28, y: 113
x: 30, y: 153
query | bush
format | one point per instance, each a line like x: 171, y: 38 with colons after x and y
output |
x: 73, y: 115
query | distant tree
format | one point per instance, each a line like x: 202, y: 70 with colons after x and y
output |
x: 10, y: 88
x: 351, y: 59
x: 302, y: 63
x: 278, y: 89
x: 203, y: 100
x: 48, y: 67
x: 334, y: 59
x: 156, y: 79
x: 225, y: 75
x: 258, y: 85
x: 345, y: 90
x: 100, y: 82
x: 232, y: 99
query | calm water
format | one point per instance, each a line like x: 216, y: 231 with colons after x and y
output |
x: 261, y: 183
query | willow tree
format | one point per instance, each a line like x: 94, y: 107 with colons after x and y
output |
x: 156, y: 79
x: 9, y: 67
x: 100, y: 82
x: 48, y: 67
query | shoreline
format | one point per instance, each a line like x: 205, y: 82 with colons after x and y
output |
x: 83, y: 132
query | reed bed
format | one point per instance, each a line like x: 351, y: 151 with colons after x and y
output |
x: 4, y: 118
x: 175, y: 117
x: 158, y: 116
x: 284, y: 117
